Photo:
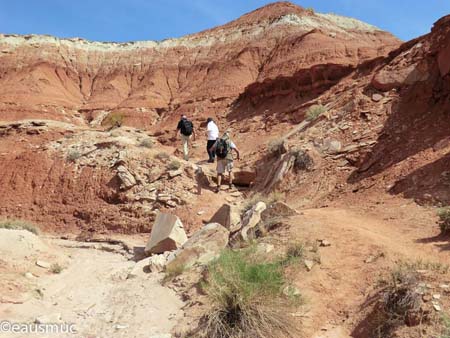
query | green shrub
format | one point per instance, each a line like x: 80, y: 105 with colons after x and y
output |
x: 73, y: 155
x: 114, y: 119
x: 174, y: 165
x: 146, y: 143
x: 247, y: 297
x: 444, y: 219
x: 19, y: 224
x: 315, y: 111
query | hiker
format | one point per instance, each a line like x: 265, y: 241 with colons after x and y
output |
x: 186, y: 129
x: 223, y: 148
x: 212, y: 133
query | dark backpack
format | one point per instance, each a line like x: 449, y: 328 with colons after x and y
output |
x: 186, y: 127
x: 222, y: 148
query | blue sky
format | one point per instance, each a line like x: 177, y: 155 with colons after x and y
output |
x: 128, y: 20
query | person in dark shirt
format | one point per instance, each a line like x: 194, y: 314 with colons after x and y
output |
x: 186, y: 129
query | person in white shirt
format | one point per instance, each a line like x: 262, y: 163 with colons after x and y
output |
x: 212, y: 133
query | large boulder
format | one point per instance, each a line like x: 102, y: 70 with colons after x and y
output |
x: 278, y: 209
x: 251, y: 219
x: 204, y: 246
x: 228, y: 216
x: 389, y: 78
x: 167, y: 234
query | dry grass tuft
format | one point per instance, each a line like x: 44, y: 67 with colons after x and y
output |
x: 19, y: 224
x: 247, y: 298
x: 444, y: 219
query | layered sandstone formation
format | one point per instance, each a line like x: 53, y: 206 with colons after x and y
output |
x: 76, y: 80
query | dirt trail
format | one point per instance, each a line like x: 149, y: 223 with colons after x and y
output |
x: 93, y: 292
x: 365, y: 245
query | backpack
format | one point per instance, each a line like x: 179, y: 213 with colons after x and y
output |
x: 222, y: 148
x: 186, y: 127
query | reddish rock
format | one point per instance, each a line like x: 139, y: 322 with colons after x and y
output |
x: 73, y: 78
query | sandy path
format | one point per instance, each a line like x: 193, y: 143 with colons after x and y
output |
x: 336, y: 289
x: 93, y: 292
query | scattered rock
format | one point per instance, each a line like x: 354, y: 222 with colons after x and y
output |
x: 436, y: 296
x: 29, y: 275
x: 120, y: 326
x: 377, y: 97
x: 264, y: 248
x: 426, y: 298
x: 324, y: 242
x: 228, y: 216
x: 167, y: 234
x: 48, y: 319
x: 332, y: 146
x: 157, y: 263
x: 388, y: 78
x: 308, y: 264
x: 43, y: 264
x: 175, y: 173
x: 437, y: 307
x: 251, y: 219
x: 127, y: 179
x: 204, y: 245
x: 373, y: 258
x: 278, y: 209
x: 139, y: 269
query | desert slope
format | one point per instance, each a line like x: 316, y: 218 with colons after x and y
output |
x: 73, y: 79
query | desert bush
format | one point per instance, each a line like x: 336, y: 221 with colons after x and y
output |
x: 444, y: 219
x: 114, y: 119
x: 174, y: 165
x: 146, y: 143
x: 421, y: 264
x: 19, y: 224
x: 269, y: 199
x: 247, y: 297
x: 302, y: 160
x: 56, y: 268
x: 399, y: 301
x: 73, y: 155
x: 294, y: 252
x: 310, y: 10
x: 276, y: 146
x: 162, y: 156
x: 315, y: 111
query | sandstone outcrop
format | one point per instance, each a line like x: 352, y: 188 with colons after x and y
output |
x: 79, y: 81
